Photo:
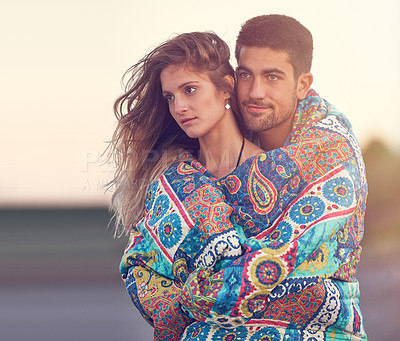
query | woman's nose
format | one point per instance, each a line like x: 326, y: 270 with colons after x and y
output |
x: 180, y: 106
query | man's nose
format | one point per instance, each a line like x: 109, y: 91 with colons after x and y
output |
x: 257, y: 90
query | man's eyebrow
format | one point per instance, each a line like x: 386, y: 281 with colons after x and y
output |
x: 263, y: 72
x: 243, y: 68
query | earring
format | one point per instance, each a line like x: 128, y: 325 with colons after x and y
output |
x: 227, y: 106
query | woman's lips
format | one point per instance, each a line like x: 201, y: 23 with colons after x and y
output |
x: 187, y: 121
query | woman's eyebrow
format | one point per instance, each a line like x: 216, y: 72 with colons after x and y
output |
x: 187, y: 83
x: 181, y: 86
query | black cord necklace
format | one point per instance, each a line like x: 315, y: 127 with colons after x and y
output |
x: 240, y: 154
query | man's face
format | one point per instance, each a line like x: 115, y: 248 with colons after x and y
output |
x: 266, y: 88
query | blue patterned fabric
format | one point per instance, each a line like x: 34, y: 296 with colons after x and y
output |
x: 268, y: 252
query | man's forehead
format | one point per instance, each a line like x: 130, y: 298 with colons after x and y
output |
x: 263, y: 57
x: 262, y: 52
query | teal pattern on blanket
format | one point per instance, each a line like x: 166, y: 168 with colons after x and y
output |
x: 268, y: 252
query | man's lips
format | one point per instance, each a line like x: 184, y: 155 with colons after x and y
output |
x: 256, y: 108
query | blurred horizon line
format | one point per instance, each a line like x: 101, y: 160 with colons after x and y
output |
x: 52, y: 206
x: 374, y: 147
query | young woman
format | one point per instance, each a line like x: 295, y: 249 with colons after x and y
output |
x: 180, y: 97
x: 179, y: 105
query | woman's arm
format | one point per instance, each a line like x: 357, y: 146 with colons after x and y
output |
x: 154, y: 295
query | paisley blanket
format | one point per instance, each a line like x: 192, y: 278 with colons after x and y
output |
x: 268, y: 252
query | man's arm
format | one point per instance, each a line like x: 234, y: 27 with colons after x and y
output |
x: 325, y: 220
x: 232, y: 292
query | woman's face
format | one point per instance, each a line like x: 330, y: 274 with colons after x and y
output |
x: 194, y: 102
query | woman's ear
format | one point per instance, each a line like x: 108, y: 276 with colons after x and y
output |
x: 304, y: 84
x: 231, y: 81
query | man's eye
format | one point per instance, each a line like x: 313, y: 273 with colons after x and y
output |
x: 244, y: 75
x: 190, y: 89
x: 272, y: 78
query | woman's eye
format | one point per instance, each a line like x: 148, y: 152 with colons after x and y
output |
x: 169, y: 98
x: 190, y: 89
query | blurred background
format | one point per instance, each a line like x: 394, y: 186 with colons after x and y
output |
x: 61, y: 64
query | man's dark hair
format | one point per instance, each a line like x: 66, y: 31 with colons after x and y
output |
x: 280, y: 33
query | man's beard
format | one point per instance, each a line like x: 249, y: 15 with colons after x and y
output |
x: 259, y: 124
x: 263, y: 122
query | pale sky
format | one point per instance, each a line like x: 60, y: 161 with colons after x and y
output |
x: 62, y: 62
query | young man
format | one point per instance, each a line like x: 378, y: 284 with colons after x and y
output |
x: 274, y: 55
x: 299, y: 212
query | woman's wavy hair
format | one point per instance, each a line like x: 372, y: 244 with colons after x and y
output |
x: 147, y: 140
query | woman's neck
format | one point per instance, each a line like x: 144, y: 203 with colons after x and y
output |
x: 219, y: 152
x: 223, y: 148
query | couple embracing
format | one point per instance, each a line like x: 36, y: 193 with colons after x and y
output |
x: 243, y: 191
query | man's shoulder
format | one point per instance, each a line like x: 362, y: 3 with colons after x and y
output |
x: 314, y: 112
